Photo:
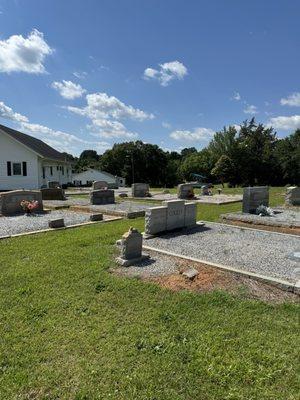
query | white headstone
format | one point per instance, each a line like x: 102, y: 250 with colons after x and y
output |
x: 190, y: 214
x: 155, y: 220
x: 175, y: 214
x: 292, y: 197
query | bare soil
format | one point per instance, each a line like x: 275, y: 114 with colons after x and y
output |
x: 291, y: 231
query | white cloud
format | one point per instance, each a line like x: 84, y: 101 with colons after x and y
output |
x: 250, y: 109
x: 62, y: 141
x: 166, y: 72
x: 292, y: 100
x: 24, y: 54
x: 8, y: 113
x: 80, y: 74
x: 285, y: 123
x: 198, y: 134
x: 236, y: 96
x: 68, y: 90
x: 105, y: 112
x: 102, y: 106
x: 111, y: 129
x: 166, y: 125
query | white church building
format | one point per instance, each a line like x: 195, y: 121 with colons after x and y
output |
x: 28, y: 163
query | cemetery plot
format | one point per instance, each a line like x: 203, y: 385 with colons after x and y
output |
x: 17, y: 224
x: 265, y: 253
x: 173, y: 273
x: 282, y: 220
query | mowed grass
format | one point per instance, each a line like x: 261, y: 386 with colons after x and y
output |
x: 69, y: 329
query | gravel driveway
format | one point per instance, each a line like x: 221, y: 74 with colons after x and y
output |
x: 265, y: 253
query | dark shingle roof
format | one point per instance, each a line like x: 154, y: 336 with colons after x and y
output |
x: 37, y: 145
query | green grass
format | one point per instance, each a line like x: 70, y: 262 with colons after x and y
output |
x: 71, y: 330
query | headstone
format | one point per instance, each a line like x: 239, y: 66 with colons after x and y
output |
x: 155, y: 220
x: 96, y: 217
x: 253, y: 197
x: 140, y: 190
x: 190, y: 214
x: 53, y: 194
x: 98, y: 197
x: 205, y: 191
x: 131, y: 248
x: 100, y: 185
x: 57, y: 223
x: 175, y: 214
x: 292, y: 197
x: 53, y: 185
x: 10, y: 202
x: 185, y: 191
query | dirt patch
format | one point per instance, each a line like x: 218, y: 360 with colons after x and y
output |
x: 208, y: 279
x: 291, y: 231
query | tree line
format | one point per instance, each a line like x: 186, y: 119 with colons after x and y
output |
x: 251, y: 155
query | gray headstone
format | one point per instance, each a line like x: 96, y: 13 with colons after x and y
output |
x: 185, y: 190
x: 140, y: 190
x: 155, y: 220
x: 99, y: 197
x: 53, y: 185
x: 292, y: 197
x: 131, y: 248
x: 255, y: 196
x: 56, y: 223
x: 100, y: 185
x: 53, y: 194
x: 10, y: 202
x: 175, y: 214
x: 96, y: 217
x: 190, y: 214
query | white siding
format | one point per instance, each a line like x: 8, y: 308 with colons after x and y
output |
x: 57, y: 172
x: 93, y: 175
x: 11, y: 150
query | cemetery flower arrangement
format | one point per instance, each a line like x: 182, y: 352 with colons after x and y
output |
x: 29, y: 206
x: 264, y: 211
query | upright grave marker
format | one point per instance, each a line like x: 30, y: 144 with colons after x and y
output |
x: 100, y: 185
x: 98, y: 197
x: 131, y: 248
x: 175, y: 214
x: 292, y: 197
x: 185, y: 191
x: 10, y: 202
x: 254, y: 197
x: 140, y: 190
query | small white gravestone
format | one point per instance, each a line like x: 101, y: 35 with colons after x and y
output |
x: 155, y: 220
x: 131, y: 248
x: 190, y: 214
x: 175, y: 214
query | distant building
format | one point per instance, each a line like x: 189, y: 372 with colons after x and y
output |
x: 86, y: 178
x: 28, y: 163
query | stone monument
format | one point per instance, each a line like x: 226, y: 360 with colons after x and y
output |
x: 131, y: 248
x: 254, y: 197
x: 98, y: 197
x: 53, y: 185
x: 10, y: 202
x: 185, y: 191
x: 100, y: 185
x: 53, y: 194
x: 292, y: 197
x: 140, y: 190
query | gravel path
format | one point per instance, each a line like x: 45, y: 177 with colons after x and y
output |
x: 24, y: 223
x: 265, y: 253
x: 282, y: 217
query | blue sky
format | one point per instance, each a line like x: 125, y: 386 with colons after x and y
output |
x: 87, y: 74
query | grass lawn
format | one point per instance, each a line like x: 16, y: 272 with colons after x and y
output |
x: 71, y: 330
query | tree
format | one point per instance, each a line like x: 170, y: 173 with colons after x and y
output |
x: 288, y: 154
x: 224, y: 169
x: 188, y: 151
x: 89, y: 155
x: 198, y: 163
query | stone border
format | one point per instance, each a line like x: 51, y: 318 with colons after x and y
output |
x: 59, y: 229
x: 280, y: 283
